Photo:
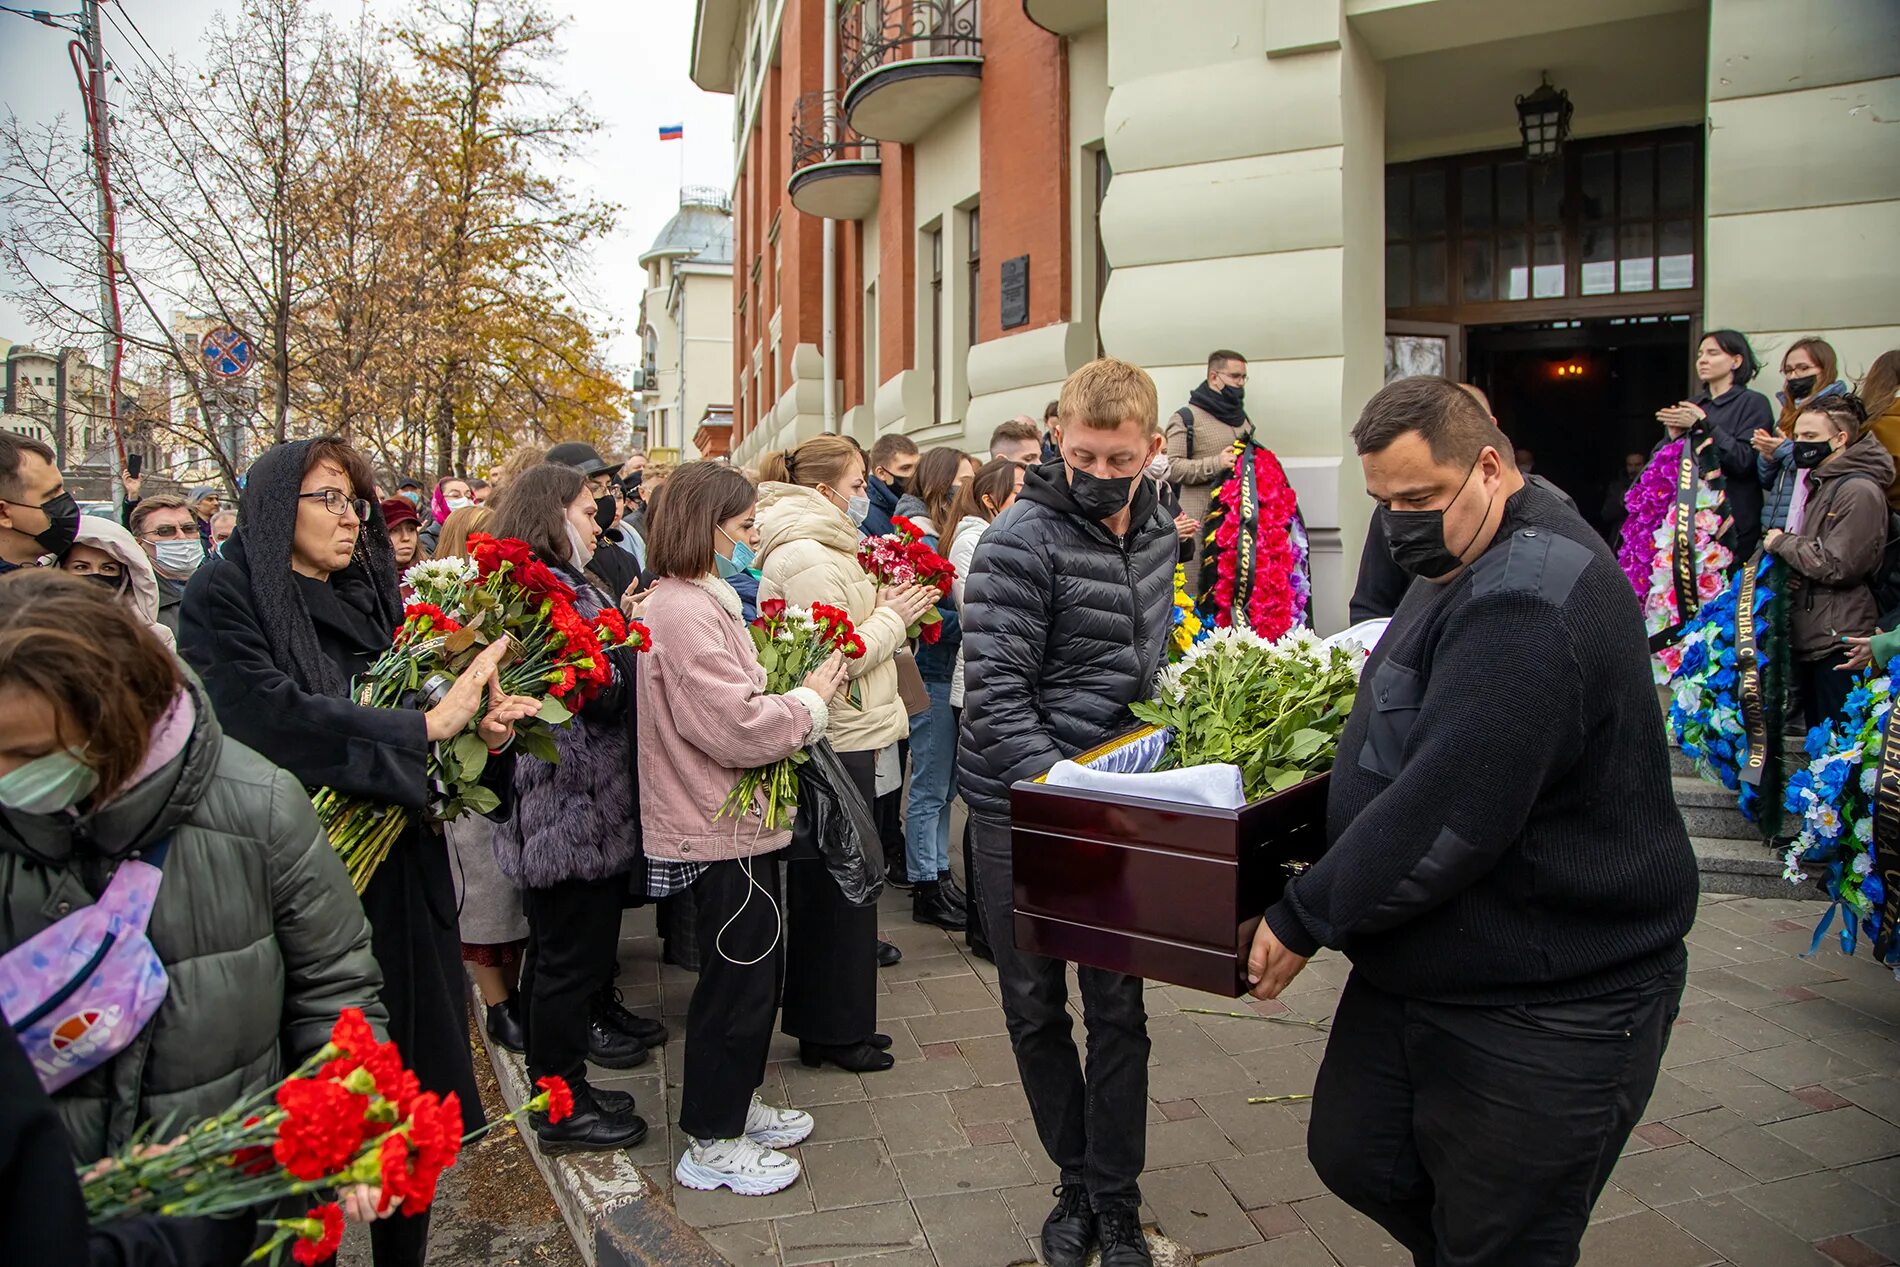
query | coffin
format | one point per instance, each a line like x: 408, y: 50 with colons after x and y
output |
x: 1158, y: 890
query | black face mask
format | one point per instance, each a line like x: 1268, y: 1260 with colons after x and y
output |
x: 899, y: 484
x: 1234, y: 394
x: 604, y: 511
x: 112, y: 584
x: 1098, y: 498
x: 1416, y: 538
x: 1798, y: 388
x: 1809, y: 454
x: 62, y: 524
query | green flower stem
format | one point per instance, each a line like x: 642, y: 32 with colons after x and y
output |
x: 1255, y: 1016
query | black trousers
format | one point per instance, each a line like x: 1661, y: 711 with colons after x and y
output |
x: 976, y: 935
x: 1482, y: 1136
x: 1824, y: 686
x: 573, y: 928
x: 729, y: 1022
x: 830, y: 945
x: 1093, y: 1123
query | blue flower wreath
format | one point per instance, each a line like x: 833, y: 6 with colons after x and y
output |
x: 1705, y: 712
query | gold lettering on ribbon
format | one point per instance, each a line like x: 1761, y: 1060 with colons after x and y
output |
x: 1748, y: 664
x: 1887, y: 831
x: 1683, y: 555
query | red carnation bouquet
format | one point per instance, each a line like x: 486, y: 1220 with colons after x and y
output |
x: 349, y: 1115
x: 460, y: 606
x: 791, y: 642
x: 902, y: 558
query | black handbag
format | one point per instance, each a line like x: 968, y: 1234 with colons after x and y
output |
x: 840, y: 824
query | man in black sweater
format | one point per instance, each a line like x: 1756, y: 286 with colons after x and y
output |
x: 1507, y: 870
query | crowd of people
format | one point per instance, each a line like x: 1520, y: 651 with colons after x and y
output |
x: 177, y: 682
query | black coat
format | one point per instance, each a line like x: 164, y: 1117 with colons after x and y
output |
x: 1733, y: 417
x: 378, y: 753
x: 1064, y: 626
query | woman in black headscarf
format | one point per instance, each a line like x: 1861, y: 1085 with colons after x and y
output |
x: 301, y: 599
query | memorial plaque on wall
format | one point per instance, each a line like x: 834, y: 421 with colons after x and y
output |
x: 1015, y: 290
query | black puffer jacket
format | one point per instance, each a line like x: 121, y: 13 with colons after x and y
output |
x: 1064, y: 626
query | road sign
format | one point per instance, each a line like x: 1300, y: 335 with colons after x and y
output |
x: 227, y: 353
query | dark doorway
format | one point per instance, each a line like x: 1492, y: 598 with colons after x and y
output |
x: 1580, y: 395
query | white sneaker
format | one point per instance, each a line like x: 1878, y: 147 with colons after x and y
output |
x: 740, y: 1164
x: 776, y: 1128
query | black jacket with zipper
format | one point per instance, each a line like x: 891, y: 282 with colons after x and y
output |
x: 1064, y: 626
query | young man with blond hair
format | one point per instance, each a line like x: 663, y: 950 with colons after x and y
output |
x: 1065, y: 622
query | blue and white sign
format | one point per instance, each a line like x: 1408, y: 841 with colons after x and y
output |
x: 226, y: 352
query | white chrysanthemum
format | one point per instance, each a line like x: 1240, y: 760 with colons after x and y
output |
x: 1869, y: 780
x: 1864, y: 833
x: 438, y: 572
x: 1791, y: 864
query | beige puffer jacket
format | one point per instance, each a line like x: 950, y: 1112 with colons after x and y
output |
x: 808, y: 553
x: 141, y: 592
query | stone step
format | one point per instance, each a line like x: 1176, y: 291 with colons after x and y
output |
x: 1709, y: 809
x: 1746, y: 867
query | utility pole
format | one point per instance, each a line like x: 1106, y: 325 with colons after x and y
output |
x: 98, y: 116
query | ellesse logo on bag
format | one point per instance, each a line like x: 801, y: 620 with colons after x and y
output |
x: 81, y: 1033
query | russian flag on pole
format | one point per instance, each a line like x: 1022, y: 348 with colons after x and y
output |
x: 672, y: 131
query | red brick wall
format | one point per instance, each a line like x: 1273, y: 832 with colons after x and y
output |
x: 897, y: 264
x: 1025, y: 165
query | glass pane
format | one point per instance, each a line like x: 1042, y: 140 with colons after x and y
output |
x: 1639, y: 183
x: 1398, y: 276
x: 1547, y: 275
x: 1476, y: 269
x: 1514, y: 267
x: 1599, y: 260
x: 1636, y: 264
x: 1599, y: 185
x: 1398, y: 208
x: 1407, y: 355
x: 1675, y: 184
x: 1474, y: 198
x: 1428, y: 272
x: 976, y: 232
x: 1547, y: 193
x: 1513, y: 199
x: 1675, y: 264
x: 1428, y: 204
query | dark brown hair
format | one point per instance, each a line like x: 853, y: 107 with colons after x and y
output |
x: 98, y: 663
x: 819, y: 460
x: 12, y: 446
x: 1827, y: 369
x: 936, y: 483
x: 889, y: 447
x: 1221, y: 356
x: 1843, y: 411
x: 354, y: 464
x: 680, y: 522
x: 149, y: 506
x: 1882, y: 384
x: 536, y: 510
x: 1014, y: 429
x: 996, y: 480
x: 1452, y: 423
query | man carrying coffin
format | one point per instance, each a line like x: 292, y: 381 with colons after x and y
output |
x: 1506, y: 868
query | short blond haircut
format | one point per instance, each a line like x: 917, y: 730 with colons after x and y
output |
x: 1105, y: 393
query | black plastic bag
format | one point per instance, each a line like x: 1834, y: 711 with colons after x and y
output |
x: 842, y: 827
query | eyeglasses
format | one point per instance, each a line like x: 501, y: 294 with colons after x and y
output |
x: 336, y: 503
x: 168, y: 532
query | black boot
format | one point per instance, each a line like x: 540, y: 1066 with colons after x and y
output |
x: 947, y: 885
x: 928, y: 905
x: 1123, y: 1244
x: 854, y: 1057
x: 888, y: 956
x: 591, y: 1127
x: 504, y: 1025
x: 611, y: 1049
x: 1068, y: 1234
x: 609, y: 1010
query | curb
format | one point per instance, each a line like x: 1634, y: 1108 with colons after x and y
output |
x: 617, y: 1218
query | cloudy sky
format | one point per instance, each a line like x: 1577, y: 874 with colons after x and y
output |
x: 627, y: 59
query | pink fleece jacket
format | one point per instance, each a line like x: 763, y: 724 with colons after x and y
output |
x: 704, y: 719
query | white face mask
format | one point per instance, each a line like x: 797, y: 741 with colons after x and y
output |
x: 583, y: 553
x: 179, y: 558
x: 1158, y: 468
x: 458, y: 503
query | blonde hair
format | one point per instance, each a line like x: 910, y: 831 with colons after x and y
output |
x: 453, y: 543
x: 819, y: 460
x: 1105, y: 393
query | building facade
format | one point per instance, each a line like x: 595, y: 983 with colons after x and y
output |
x: 1341, y: 190
x: 686, y: 330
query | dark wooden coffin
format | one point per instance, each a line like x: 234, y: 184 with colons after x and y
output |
x: 1158, y: 890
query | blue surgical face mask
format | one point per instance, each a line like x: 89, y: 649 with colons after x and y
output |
x: 48, y: 784
x: 740, y: 561
x: 179, y: 558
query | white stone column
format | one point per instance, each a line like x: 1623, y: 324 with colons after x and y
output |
x: 1246, y: 211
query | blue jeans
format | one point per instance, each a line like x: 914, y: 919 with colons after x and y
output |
x: 933, y: 760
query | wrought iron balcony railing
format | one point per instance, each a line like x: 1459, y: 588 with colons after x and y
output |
x: 809, y: 143
x: 874, y: 33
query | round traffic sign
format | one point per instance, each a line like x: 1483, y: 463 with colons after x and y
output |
x: 227, y: 353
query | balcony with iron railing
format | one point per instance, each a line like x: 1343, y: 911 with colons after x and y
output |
x: 1066, y: 17
x: 907, y: 63
x: 835, y: 171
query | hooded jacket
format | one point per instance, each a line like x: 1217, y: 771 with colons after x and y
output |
x: 142, y: 592
x: 808, y: 553
x: 1886, y: 428
x: 1064, y: 626
x: 255, y: 923
x: 1777, y: 472
x: 1839, y: 548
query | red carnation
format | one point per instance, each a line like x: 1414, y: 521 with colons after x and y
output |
x: 560, y: 1098
x: 853, y: 646
x: 560, y: 689
x: 352, y: 1036
x: 322, y: 1127
x: 435, y: 1132
x: 309, y: 1249
x: 394, y: 1155
x: 393, y: 1082
x: 610, y: 625
x: 931, y: 632
x: 772, y: 608
x: 638, y: 636
x: 906, y: 530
